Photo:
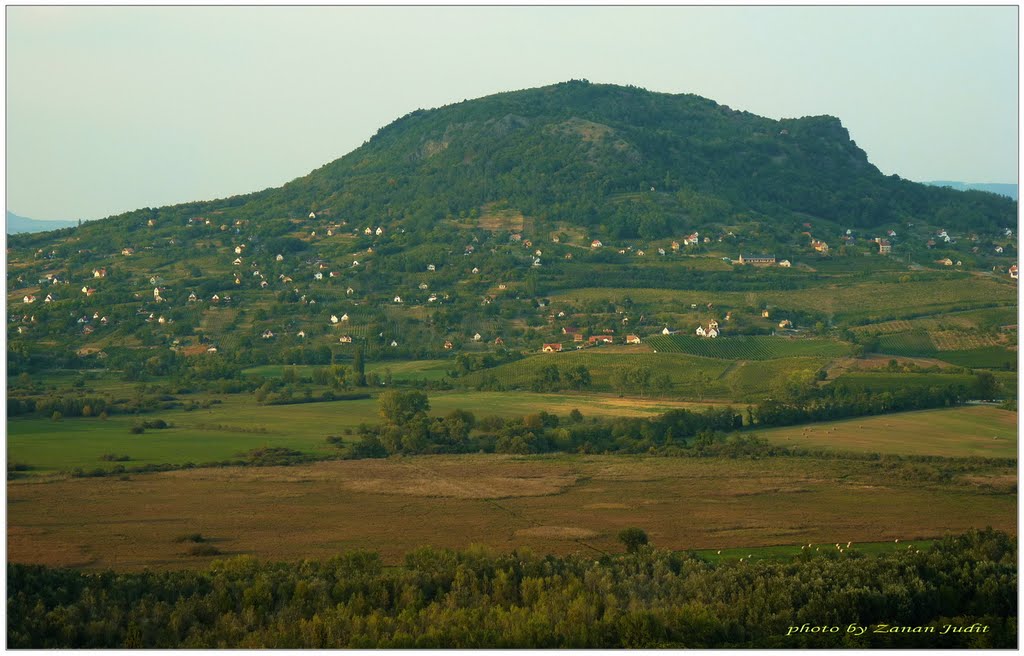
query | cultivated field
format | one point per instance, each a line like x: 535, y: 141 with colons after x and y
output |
x: 983, y: 431
x: 871, y: 300
x: 556, y: 504
x: 748, y: 347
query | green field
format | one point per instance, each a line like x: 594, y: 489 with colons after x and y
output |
x: 989, y: 357
x: 950, y: 432
x: 881, y: 381
x: 239, y: 424
x: 916, y: 343
x: 748, y: 347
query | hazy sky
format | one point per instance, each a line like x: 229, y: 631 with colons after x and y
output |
x: 114, y: 108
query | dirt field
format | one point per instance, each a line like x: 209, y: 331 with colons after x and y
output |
x: 550, y: 504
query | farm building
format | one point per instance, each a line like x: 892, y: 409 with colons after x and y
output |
x: 551, y: 348
x: 632, y: 339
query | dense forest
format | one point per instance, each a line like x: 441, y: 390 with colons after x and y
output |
x: 960, y: 593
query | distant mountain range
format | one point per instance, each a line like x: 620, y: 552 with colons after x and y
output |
x: 18, y: 224
x: 993, y: 187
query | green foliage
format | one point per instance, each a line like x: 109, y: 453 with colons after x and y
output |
x: 476, y: 599
x: 633, y: 539
x: 400, y: 408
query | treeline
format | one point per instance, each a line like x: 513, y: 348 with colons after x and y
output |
x: 839, y: 402
x: 407, y: 429
x: 647, y: 598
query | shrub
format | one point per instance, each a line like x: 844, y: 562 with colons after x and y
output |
x: 203, y: 550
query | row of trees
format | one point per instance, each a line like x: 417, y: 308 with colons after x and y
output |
x: 478, y: 599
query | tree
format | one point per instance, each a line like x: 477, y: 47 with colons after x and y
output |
x: 633, y: 538
x: 986, y: 384
x: 400, y: 408
x: 359, y: 368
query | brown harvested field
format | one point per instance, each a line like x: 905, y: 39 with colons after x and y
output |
x: 550, y: 504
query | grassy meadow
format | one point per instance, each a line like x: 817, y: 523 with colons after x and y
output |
x: 982, y: 431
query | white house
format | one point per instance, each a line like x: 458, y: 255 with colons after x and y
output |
x: 268, y: 334
x: 344, y: 317
x: 476, y: 270
x: 431, y: 267
x: 334, y: 318
x: 312, y: 215
x: 279, y: 258
x: 712, y: 333
x: 477, y: 337
x: 301, y: 333
x: 596, y: 244
x: 318, y: 276
x: 394, y: 343
x: 398, y: 299
x: 700, y: 331
x: 666, y: 331
x: 785, y: 263
x: 29, y: 299
x: 379, y: 231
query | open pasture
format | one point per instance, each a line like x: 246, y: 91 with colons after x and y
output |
x: 239, y: 424
x: 557, y: 504
x: 982, y: 431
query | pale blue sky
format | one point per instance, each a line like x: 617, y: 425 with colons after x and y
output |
x: 114, y: 108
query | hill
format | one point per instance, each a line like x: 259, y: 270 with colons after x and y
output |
x: 467, y: 224
x: 18, y: 224
x: 1008, y: 190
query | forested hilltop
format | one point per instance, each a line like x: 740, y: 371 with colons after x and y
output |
x: 580, y: 153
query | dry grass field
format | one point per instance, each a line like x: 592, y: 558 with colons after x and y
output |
x: 983, y: 431
x: 555, y: 504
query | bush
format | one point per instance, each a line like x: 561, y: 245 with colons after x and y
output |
x: 203, y: 550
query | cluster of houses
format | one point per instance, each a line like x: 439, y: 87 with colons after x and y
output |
x: 581, y: 342
x: 711, y: 331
